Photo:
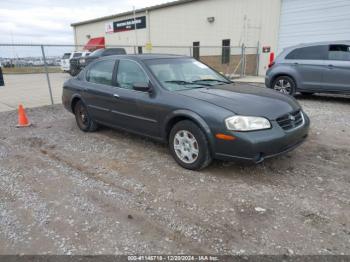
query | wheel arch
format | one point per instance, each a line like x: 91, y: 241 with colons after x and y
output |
x: 74, y: 100
x: 285, y: 74
x: 180, y: 115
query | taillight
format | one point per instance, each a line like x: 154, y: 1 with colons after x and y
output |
x: 271, y: 60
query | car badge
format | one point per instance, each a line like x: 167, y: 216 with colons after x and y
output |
x: 292, y: 118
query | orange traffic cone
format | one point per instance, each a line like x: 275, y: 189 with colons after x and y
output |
x: 22, y: 117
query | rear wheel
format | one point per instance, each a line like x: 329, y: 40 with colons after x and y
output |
x: 189, y: 146
x: 84, y: 121
x: 285, y: 85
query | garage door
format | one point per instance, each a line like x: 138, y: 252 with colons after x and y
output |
x: 313, y: 21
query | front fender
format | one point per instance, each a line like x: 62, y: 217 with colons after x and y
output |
x: 189, y: 115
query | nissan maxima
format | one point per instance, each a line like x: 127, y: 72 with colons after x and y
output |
x: 178, y: 100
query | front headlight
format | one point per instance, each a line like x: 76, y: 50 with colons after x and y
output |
x: 247, y: 123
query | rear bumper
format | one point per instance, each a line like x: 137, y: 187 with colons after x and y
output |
x: 268, y: 81
x: 259, y: 145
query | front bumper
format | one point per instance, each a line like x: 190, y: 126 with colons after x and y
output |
x: 256, y: 146
x: 65, y: 68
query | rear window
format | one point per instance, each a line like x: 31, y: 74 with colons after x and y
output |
x: 75, y: 55
x: 309, y: 53
x: 66, y: 56
x: 339, y: 52
x: 114, y: 51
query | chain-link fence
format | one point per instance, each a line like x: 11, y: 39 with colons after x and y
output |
x: 34, y: 74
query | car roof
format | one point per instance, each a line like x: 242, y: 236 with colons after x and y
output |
x: 148, y: 56
x: 340, y: 42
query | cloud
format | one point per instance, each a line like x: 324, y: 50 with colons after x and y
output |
x: 48, y: 21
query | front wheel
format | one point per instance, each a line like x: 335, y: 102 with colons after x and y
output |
x: 74, y: 72
x: 285, y: 85
x: 84, y: 121
x: 189, y: 146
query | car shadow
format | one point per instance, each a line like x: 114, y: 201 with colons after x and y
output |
x: 325, y: 98
x: 263, y: 173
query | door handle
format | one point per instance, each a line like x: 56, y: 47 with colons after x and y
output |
x: 330, y: 66
x: 116, y: 96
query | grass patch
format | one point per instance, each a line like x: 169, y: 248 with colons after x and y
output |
x: 31, y: 70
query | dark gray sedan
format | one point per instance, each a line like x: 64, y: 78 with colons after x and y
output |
x: 183, y: 102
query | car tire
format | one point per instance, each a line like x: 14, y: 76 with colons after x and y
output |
x: 74, y: 72
x: 189, y: 146
x: 84, y: 121
x: 285, y: 85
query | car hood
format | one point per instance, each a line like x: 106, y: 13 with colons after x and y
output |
x: 246, y: 99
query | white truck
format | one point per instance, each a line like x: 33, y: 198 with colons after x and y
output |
x: 65, y: 60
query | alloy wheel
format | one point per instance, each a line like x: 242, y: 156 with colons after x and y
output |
x: 186, y: 146
x: 283, y: 86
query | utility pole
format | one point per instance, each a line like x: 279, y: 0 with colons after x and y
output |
x: 135, y: 29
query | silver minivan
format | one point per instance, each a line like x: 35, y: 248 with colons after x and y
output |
x: 311, y: 68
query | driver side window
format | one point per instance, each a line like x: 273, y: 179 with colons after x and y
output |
x: 129, y: 73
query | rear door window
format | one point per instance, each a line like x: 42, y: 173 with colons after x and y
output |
x: 101, y: 72
x: 309, y: 53
x: 339, y: 52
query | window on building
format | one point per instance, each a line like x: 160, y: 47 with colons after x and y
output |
x: 139, y: 49
x: 196, y: 53
x: 101, y: 72
x: 129, y: 73
x: 339, y: 52
x: 226, y: 51
x: 309, y: 53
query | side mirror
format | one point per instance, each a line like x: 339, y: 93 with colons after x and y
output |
x: 143, y: 87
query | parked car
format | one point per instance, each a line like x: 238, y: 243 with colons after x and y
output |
x: 201, y: 114
x: 67, y: 57
x: 311, y: 68
x: 77, y: 64
x: 2, y: 82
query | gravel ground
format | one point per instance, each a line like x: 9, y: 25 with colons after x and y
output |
x: 66, y: 192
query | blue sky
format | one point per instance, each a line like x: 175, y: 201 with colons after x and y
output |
x: 48, y: 21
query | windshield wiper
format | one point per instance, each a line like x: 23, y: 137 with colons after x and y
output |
x: 182, y: 82
x: 212, y: 80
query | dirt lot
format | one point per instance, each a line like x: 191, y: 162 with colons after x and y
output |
x: 66, y: 192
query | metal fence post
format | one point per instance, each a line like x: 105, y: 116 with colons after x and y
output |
x: 241, y: 73
x: 47, y: 73
x: 257, y: 59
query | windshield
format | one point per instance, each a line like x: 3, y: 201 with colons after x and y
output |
x: 184, y: 73
x: 97, y: 52
x: 66, y: 56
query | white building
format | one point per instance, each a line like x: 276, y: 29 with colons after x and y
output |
x: 211, y: 24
